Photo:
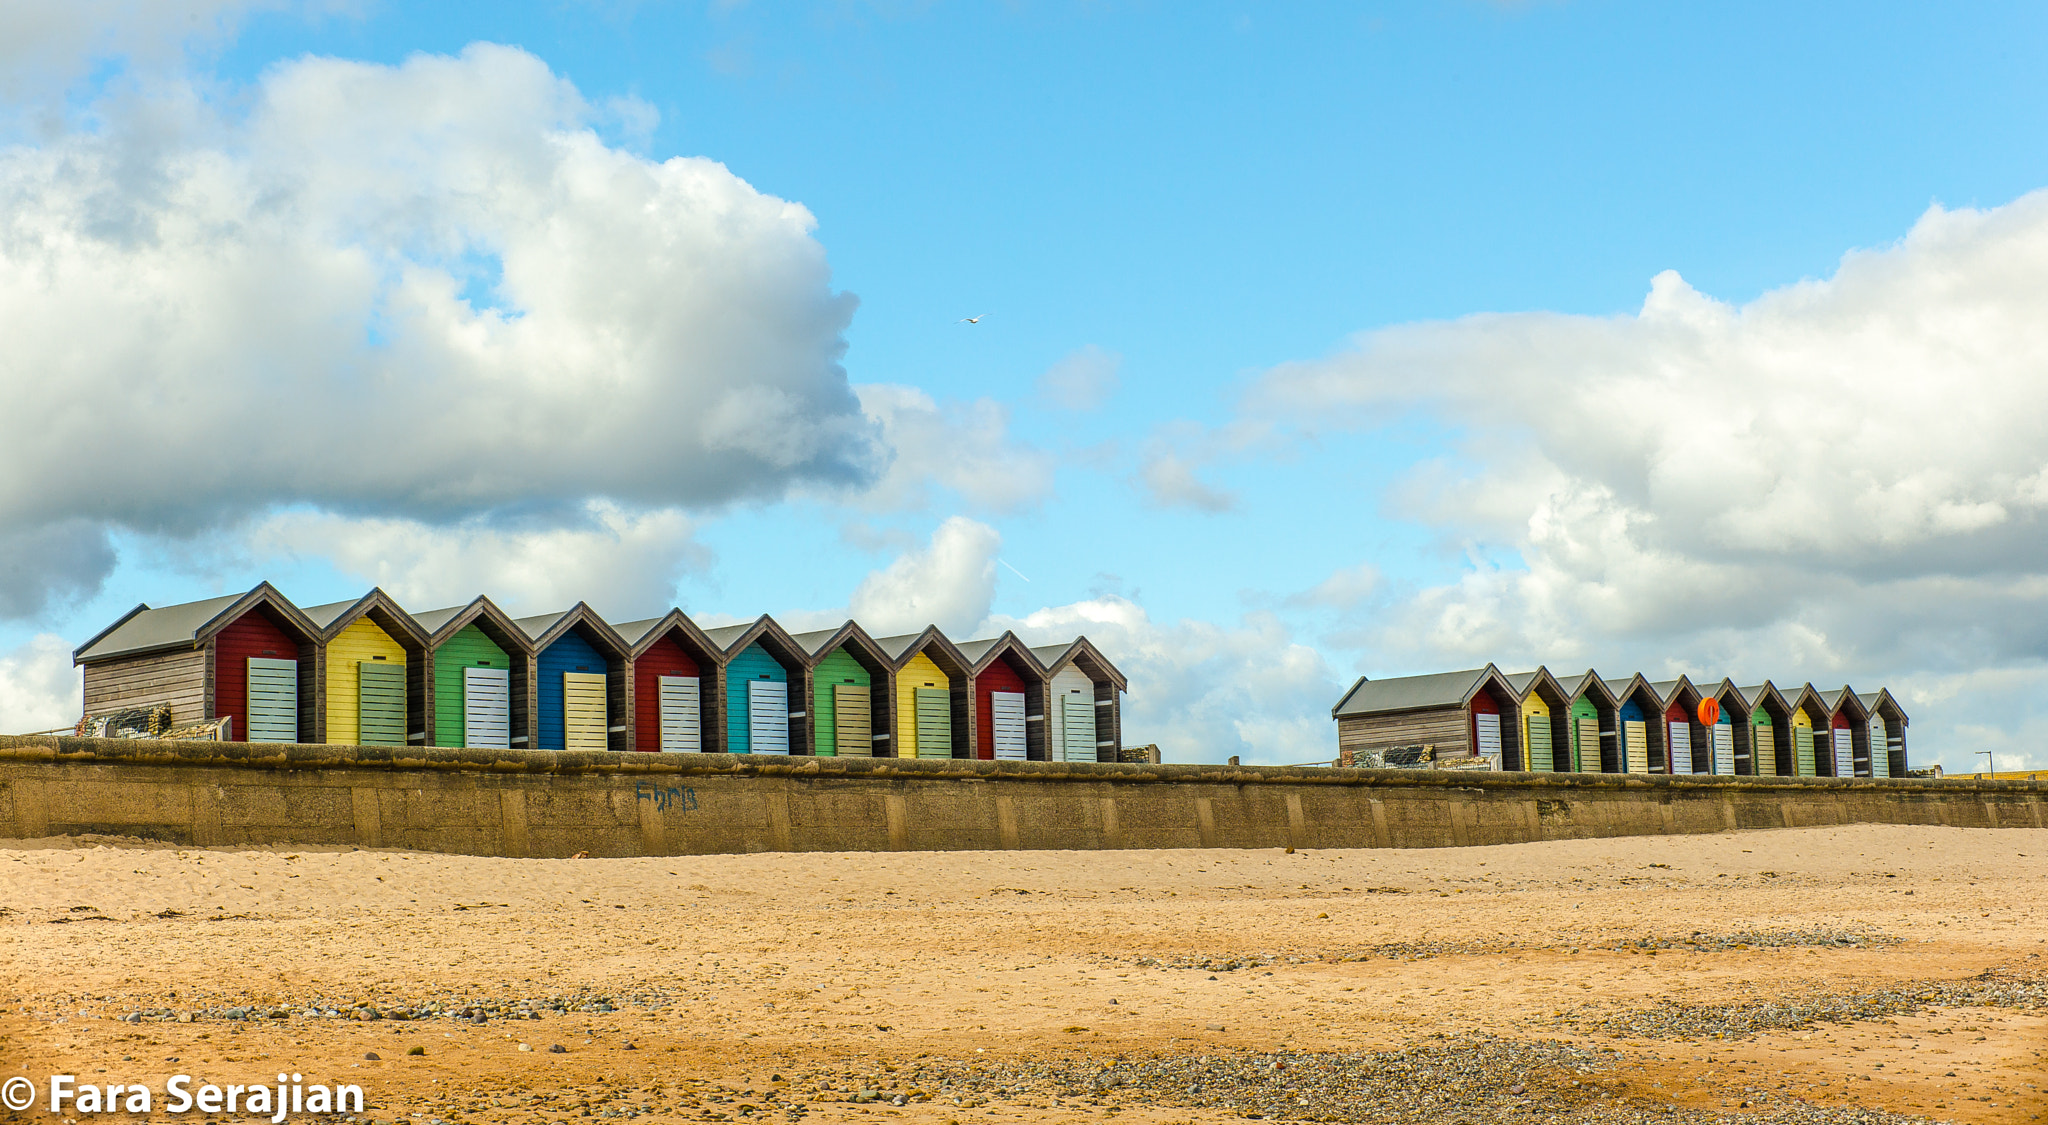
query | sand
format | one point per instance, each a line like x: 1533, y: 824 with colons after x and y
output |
x: 977, y: 985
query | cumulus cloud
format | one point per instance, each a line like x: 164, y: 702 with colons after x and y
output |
x: 1169, y: 481
x: 1843, y: 479
x: 1203, y: 691
x: 625, y: 564
x: 39, y: 690
x: 44, y: 47
x: 949, y: 583
x: 426, y: 292
x: 961, y: 446
x: 1081, y: 380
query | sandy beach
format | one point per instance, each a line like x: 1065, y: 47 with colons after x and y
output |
x: 1831, y: 974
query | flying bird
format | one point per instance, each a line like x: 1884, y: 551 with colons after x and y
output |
x: 972, y: 319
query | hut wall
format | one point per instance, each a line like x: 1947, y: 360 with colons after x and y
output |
x: 1072, y: 698
x: 176, y: 678
x: 997, y: 677
x: 570, y: 654
x: 1585, y: 736
x: 250, y: 636
x: 834, y: 674
x: 1109, y: 722
x: 1539, y: 741
x: 1441, y: 727
x: 663, y: 658
x: 924, y: 728
x: 362, y: 642
x: 468, y: 648
x: 753, y: 663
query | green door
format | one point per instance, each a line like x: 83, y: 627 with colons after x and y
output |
x: 380, y: 703
x: 934, y: 723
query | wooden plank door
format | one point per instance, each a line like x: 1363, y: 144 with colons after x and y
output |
x: 1635, y: 741
x: 1724, y: 749
x: 1589, y: 743
x: 1007, y: 718
x: 487, y: 708
x: 767, y: 717
x: 1802, y: 751
x: 1763, y: 748
x: 853, y: 721
x: 583, y: 711
x: 1880, y: 749
x: 1536, y: 745
x: 380, y: 703
x: 273, y: 700
x: 1077, y: 728
x: 682, y: 715
x: 1487, y: 726
x: 934, y: 723
x: 1678, y: 751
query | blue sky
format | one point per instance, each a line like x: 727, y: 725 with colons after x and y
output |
x: 1211, y: 207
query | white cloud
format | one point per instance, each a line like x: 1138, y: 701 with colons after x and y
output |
x: 46, y: 46
x: 39, y: 690
x: 1844, y: 479
x: 624, y: 564
x: 950, y: 583
x: 961, y: 446
x: 1204, y: 692
x: 426, y: 292
x: 1169, y: 481
x: 1082, y: 380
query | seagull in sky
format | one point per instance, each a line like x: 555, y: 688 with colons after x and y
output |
x: 972, y: 319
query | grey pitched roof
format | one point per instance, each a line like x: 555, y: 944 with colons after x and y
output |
x: 1408, y: 693
x: 538, y: 624
x: 725, y: 635
x: 633, y: 632
x: 814, y: 641
x: 975, y: 650
x: 897, y: 645
x: 148, y: 629
x: 1751, y: 695
x: 324, y: 615
x: 1616, y: 687
x: 433, y: 619
x: 1834, y: 699
x: 1520, y: 681
x: 1050, y: 655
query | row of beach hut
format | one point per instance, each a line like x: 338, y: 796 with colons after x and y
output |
x: 368, y: 672
x: 1539, y: 722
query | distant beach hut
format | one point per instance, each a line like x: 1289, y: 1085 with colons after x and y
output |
x: 1545, y: 723
x: 849, y: 692
x: 1006, y: 679
x: 675, y: 668
x: 477, y: 676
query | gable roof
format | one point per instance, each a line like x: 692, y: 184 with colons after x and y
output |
x: 773, y: 638
x: 983, y: 652
x: 1669, y: 691
x: 1540, y: 681
x: 377, y: 605
x: 1082, y: 653
x: 442, y: 625
x: 1728, y: 696
x: 187, y: 625
x: 1757, y: 695
x: 545, y: 629
x: 1880, y: 701
x: 1411, y: 693
x: 1585, y: 682
x: 1842, y: 699
x: 643, y: 635
x: 905, y: 647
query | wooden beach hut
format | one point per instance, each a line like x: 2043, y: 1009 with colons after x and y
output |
x: 373, y: 673
x: 763, y: 701
x: 579, y: 680
x: 934, y: 708
x: 1639, y: 719
x: 1007, y: 680
x: 1772, y: 750
x: 1728, y: 736
x: 1445, y: 714
x: 1545, y: 722
x: 1848, y: 732
x: 1887, y: 734
x: 477, y: 672
x: 1685, y: 737
x: 1594, y: 748
x: 1810, y: 727
x: 251, y: 658
x: 849, y: 676
x: 675, y: 668
x: 1083, y: 702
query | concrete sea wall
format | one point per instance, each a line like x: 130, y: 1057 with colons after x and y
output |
x: 550, y: 803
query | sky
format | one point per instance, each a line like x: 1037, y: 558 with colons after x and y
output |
x: 1320, y: 340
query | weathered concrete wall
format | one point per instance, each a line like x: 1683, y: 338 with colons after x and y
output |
x: 541, y: 803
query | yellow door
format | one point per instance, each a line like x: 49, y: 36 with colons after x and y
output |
x: 583, y: 718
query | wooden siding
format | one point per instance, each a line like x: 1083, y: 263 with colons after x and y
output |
x: 583, y: 711
x: 1066, y: 682
x: 469, y: 648
x: 853, y: 718
x: 175, y: 678
x: 380, y: 706
x: 1442, y: 727
x: 361, y: 642
x: 838, y: 670
x: 570, y: 654
x: 251, y: 635
x: 920, y: 672
x: 753, y: 663
x: 998, y: 676
x: 663, y: 658
x: 1538, y: 743
x: 934, y: 722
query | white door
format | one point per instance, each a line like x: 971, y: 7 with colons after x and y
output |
x: 1488, y: 727
x: 583, y: 711
x: 1006, y: 715
x: 273, y: 700
x: 768, y: 716
x: 487, y: 708
x: 1077, y: 728
x: 1724, y: 749
x: 1069, y: 681
x: 681, y: 717
x: 1880, y: 748
x: 1679, y: 749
